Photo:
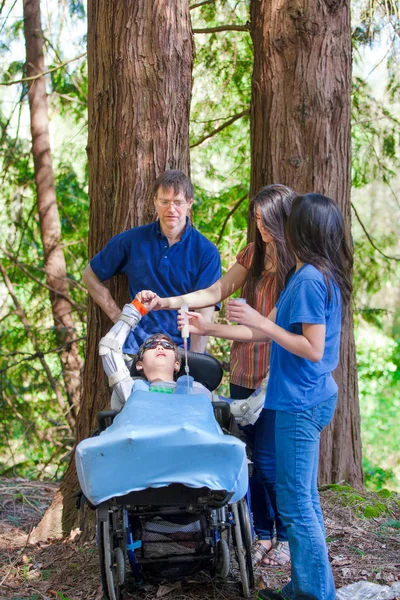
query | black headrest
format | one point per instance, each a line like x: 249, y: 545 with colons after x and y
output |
x: 202, y: 367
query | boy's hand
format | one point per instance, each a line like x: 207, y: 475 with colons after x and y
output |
x: 197, y: 323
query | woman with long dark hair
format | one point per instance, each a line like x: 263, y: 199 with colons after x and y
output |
x: 260, y: 271
x: 305, y: 328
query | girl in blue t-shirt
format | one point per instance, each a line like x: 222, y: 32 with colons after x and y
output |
x: 305, y: 328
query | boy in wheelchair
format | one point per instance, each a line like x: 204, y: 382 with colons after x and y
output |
x: 163, y: 472
x: 163, y: 371
x: 158, y: 360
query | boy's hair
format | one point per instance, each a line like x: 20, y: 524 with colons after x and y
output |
x: 156, y: 337
x: 315, y: 233
x: 176, y: 180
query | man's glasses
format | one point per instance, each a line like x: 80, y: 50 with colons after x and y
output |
x: 154, y: 343
x: 175, y: 203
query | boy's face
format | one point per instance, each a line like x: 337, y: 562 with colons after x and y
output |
x: 158, y: 357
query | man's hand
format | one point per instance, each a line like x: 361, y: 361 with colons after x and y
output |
x: 150, y: 300
x: 197, y: 324
x: 243, y: 314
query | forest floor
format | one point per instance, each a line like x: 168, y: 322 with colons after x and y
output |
x: 363, y: 532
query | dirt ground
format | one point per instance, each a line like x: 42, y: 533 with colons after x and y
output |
x: 360, y: 549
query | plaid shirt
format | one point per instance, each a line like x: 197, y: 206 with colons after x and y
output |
x: 249, y: 361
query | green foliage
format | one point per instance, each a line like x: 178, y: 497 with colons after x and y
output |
x: 375, y: 139
x: 393, y: 523
x: 35, y: 440
x: 362, y: 504
x: 222, y: 89
x: 70, y: 90
x: 378, y: 357
x: 76, y: 7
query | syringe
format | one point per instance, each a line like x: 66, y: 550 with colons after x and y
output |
x: 185, y: 335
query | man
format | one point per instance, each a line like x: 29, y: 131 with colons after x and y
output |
x: 167, y: 256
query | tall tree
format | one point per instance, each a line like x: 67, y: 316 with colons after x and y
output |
x: 140, y: 58
x: 300, y: 136
x: 49, y: 218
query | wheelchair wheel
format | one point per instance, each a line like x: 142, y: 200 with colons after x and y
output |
x: 246, y: 528
x: 222, y: 559
x: 112, y: 555
x: 241, y: 552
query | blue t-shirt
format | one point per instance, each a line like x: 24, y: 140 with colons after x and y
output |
x: 296, y: 384
x: 144, y: 255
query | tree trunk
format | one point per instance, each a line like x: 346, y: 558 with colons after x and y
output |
x: 300, y: 136
x: 49, y: 218
x: 140, y: 58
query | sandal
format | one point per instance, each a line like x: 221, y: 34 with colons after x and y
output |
x: 258, y: 553
x: 278, y: 556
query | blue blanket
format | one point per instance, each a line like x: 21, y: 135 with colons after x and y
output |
x: 158, y: 439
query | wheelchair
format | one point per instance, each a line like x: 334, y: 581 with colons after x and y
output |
x: 170, y: 487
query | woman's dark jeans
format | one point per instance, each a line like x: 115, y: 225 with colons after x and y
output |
x: 261, y: 504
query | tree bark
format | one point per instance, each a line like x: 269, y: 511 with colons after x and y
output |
x: 140, y: 58
x: 49, y: 218
x: 300, y: 136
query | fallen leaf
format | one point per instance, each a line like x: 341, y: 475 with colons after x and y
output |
x: 164, y: 590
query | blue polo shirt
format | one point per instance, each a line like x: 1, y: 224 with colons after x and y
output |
x: 144, y: 255
x: 296, y: 384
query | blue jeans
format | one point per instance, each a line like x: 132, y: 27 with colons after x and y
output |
x: 297, y: 454
x: 263, y: 513
x: 264, y: 457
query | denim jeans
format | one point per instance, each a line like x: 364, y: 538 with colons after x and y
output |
x: 264, y: 458
x: 263, y: 513
x: 297, y: 454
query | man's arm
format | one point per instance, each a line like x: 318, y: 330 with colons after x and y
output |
x: 100, y: 294
x: 198, y: 343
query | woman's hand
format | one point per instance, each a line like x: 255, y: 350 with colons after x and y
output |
x: 150, y: 300
x: 243, y: 314
x: 197, y: 324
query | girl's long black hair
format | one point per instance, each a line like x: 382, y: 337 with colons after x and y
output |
x: 315, y: 234
x: 274, y: 203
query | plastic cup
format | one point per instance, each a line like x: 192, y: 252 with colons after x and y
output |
x: 239, y: 301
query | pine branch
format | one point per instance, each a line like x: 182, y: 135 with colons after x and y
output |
x: 69, y: 98
x: 72, y: 282
x: 39, y: 354
x: 201, y: 4
x: 78, y: 307
x: 221, y: 127
x: 33, y: 77
x: 228, y: 216
x: 223, y: 28
x: 397, y: 258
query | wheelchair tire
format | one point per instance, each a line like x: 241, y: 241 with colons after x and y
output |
x: 240, y: 552
x: 112, y: 560
x: 246, y: 528
x: 222, y: 559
